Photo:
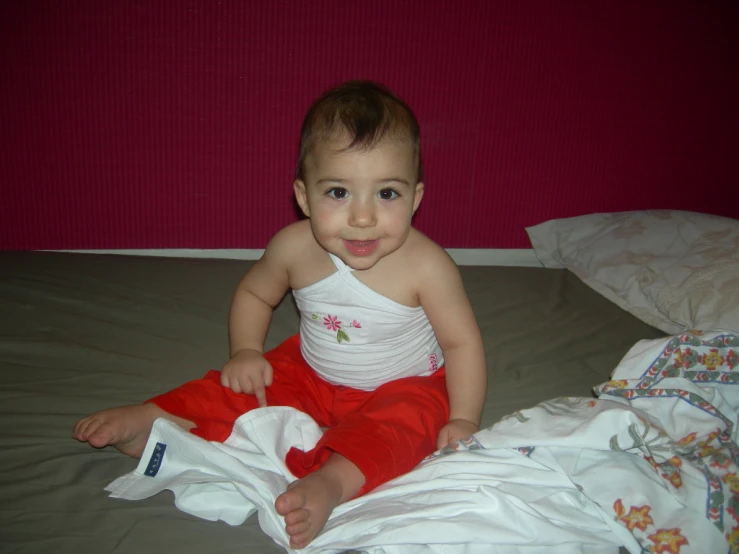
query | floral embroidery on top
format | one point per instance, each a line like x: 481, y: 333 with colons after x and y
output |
x: 333, y: 323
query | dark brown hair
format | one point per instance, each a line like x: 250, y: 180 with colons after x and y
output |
x: 368, y: 112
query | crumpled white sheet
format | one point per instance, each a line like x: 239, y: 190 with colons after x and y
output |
x: 634, y: 468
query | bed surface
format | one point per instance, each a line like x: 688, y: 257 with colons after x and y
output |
x: 83, y: 332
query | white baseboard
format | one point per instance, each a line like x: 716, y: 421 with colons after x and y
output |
x: 523, y: 257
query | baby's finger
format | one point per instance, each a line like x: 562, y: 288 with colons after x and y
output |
x: 443, y: 439
x: 233, y: 384
x: 225, y: 381
x: 260, y: 394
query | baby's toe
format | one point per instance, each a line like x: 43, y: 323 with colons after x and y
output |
x: 290, y: 501
x: 301, y: 540
x: 297, y: 528
x: 84, y: 428
x: 297, y: 516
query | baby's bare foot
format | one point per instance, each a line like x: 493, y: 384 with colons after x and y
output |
x: 306, y: 506
x: 308, y: 502
x: 127, y: 428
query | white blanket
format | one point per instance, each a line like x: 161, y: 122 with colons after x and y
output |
x: 651, y: 465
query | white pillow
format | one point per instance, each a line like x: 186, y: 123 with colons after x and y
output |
x: 674, y: 270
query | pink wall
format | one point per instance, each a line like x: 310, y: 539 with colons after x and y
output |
x: 174, y: 123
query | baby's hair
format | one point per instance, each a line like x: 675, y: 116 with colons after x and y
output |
x: 369, y: 112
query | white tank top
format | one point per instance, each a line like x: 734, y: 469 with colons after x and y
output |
x: 355, y: 337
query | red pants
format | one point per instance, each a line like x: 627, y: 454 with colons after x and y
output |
x: 385, y: 432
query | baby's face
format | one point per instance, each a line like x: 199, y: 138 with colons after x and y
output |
x: 360, y: 203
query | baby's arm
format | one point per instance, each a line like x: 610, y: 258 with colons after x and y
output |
x: 256, y: 296
x: 442, y: 295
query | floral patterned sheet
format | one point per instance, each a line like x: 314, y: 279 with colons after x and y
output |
x: 651, y: 465
x: 657, y: 451
x: 688, y: 394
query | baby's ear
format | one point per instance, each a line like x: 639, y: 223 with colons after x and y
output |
x: 418, y: 196
x: 301, y: 196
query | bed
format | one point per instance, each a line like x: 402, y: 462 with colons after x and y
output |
x: 82, y: 332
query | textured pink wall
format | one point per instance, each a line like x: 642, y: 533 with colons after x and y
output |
x: 174, y: 123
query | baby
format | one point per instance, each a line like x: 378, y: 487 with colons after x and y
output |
x: 389, y: 356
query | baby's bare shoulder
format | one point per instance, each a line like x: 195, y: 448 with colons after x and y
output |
x: 438, y: 279
x: 291, y: 240
x: 424, y: 253
x: 295, y: 250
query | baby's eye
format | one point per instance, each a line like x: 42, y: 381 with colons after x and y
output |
x: 338, y: 193
x: 387, y: 194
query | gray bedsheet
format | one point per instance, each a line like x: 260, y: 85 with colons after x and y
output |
x: 80, y: 333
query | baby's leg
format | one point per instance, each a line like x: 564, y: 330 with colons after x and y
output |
x: 127, y: 428
x: 386, y: 435
x: 308, y: 502
x: 202, y: 406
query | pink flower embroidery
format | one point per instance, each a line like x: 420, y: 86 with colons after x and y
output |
x: 332, y: 322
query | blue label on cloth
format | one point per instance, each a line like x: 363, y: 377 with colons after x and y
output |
x: 155, y: 462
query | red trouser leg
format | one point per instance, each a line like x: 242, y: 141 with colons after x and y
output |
x: 385, y: 433
x: 214, y: 408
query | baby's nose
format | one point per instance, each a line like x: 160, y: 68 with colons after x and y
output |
x: 363, y: 215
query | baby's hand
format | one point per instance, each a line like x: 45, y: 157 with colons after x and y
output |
x: 454, y: 430
x: 247, y: 371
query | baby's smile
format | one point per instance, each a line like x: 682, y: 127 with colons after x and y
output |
x: 361, y: 247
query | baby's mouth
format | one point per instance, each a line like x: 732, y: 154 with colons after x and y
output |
x: 361, y: 247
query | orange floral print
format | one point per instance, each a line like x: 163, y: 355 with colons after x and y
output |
x: 638, y: 518
x: 733, y: 540
x: 710, y: 437
x: 687, y: 439
x: 618, y: 507
x: 713, y: 359
x: 732, y: 480
x: 674, y: 479
x: 652, y: 462
x: 677, y: 462
x: 667, y: 541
